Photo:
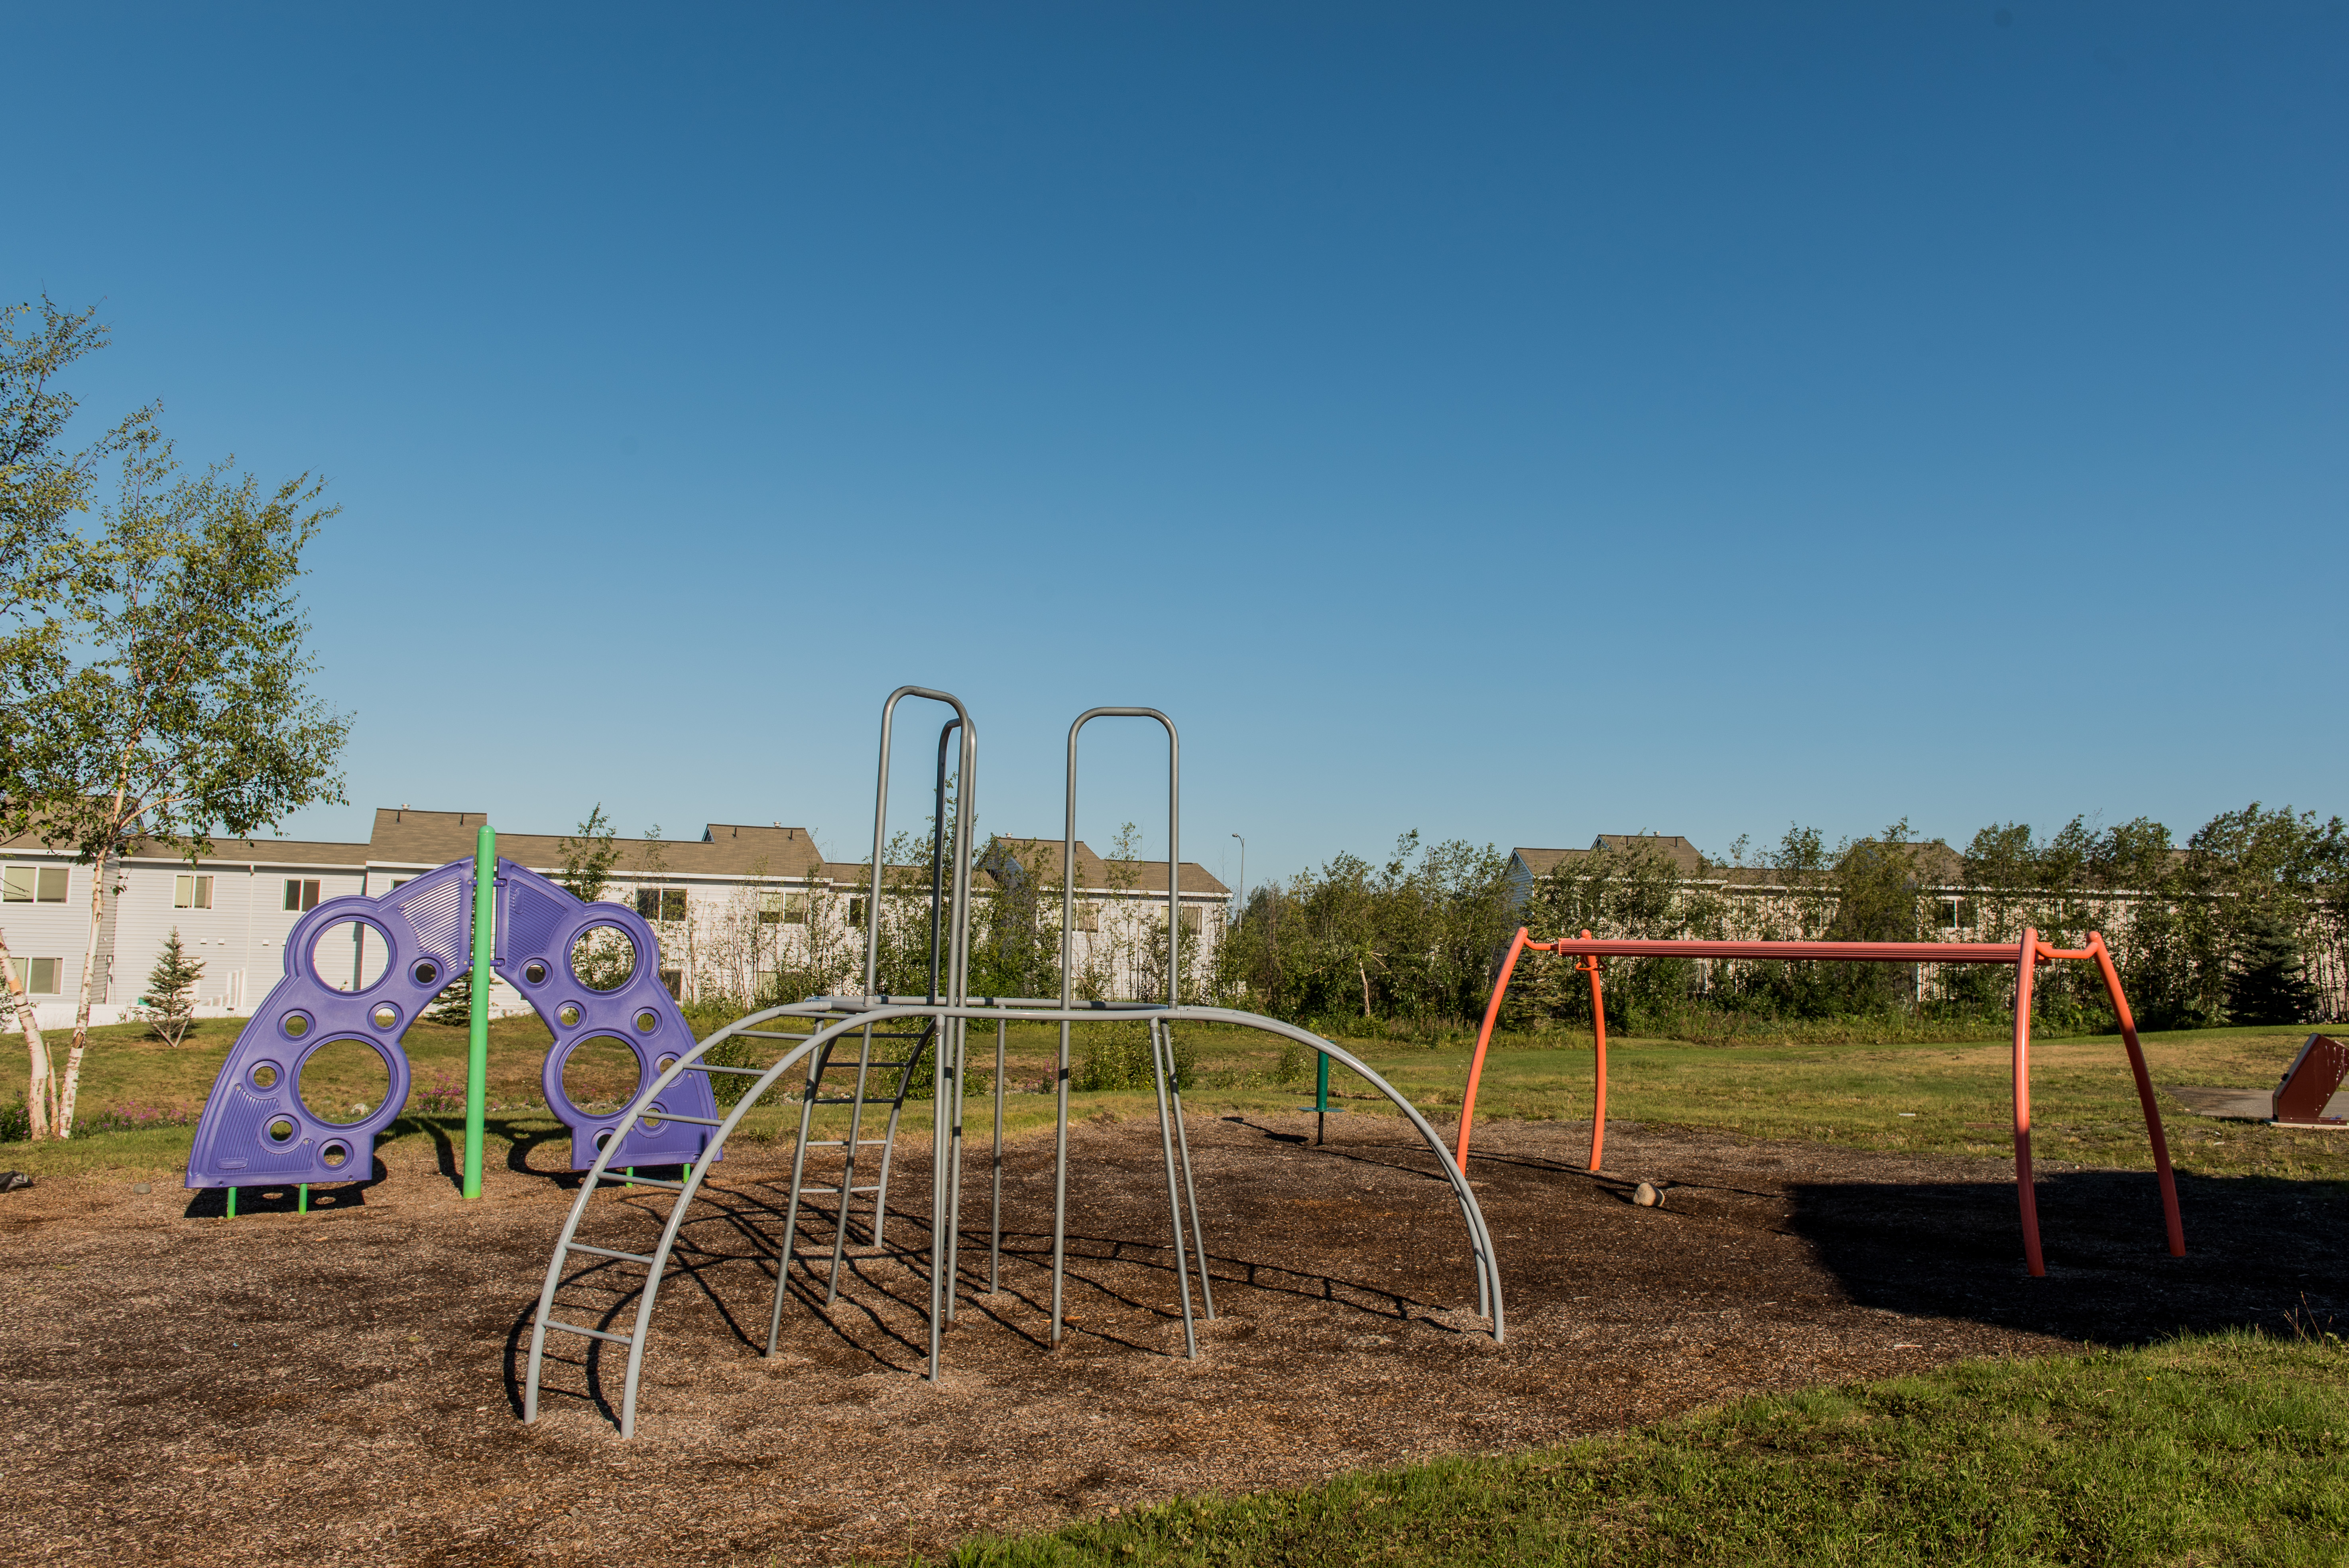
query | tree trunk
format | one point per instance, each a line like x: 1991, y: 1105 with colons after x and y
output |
x: 69, y: 1088
x: 39, y: 1090
x: 1365, y: 974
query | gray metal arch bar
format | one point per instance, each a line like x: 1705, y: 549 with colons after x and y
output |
x: 1068, y: 983
x: 946, y: 1063
x: 1480, y: 1236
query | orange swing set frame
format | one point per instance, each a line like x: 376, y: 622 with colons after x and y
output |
x: 2025, y: 955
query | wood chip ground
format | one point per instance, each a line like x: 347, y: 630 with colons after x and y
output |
x: 344, y: 1386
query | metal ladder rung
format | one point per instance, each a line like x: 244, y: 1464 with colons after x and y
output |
x: 765, y: 1034
x: 590, y: 1333
x: 739, y: 1072
x: 608, y: 1252
x: 644, y: 1182
x: 672, y: 1115
x: 836, y: 1143
x: 834, y: 1191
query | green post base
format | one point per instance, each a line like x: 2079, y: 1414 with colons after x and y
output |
x: 232, y: 1202
x: 302, y: 1201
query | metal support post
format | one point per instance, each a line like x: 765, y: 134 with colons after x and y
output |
x: 477, y: 1060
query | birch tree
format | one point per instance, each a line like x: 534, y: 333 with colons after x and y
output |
x: 176, y: 706
x: 42, y: 487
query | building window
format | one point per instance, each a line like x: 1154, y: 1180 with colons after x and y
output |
x: 661, y: 903
x: 782, y: 908
x: 301, y: 893
x: 856, y: 912
x: 191, y: 892
x: 771, y: 908
x: 1190, y: 918
x: 36, y: 976
x: 674, y: 979
x: 1088, y: 917
x: 33, y: 884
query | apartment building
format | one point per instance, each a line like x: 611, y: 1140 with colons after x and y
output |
x: 727, y: 907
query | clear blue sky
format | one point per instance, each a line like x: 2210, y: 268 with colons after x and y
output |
x: 1511, y: 422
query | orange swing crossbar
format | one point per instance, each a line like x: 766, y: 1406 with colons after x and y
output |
x: 2026, y: 955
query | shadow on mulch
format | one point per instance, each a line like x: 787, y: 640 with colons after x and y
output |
x: 1951, y: 1250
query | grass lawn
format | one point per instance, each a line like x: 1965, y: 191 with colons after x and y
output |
x: 2225, y: 1450
x: 1955, y: 1095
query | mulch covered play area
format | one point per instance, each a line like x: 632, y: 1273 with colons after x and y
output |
x: 344, y: 1386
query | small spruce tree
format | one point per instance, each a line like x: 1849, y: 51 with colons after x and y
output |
x: 454, y: 1005
x: 2266, y: 985
x: 170, y: 999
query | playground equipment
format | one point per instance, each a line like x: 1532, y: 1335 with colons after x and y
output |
x: 935, y: 1026
x: 2308, y: 1085
x: 2026, y: 955
x: 256, y: 1129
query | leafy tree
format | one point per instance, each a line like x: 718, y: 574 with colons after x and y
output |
x: 1414, y: 939
x: 170, y: 999
x: 2267, y: 984
x: 42, y: 486
x: 588, y: 856
x: 179, y: 709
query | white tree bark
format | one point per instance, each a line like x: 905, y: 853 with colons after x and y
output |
x: 42, y: 1086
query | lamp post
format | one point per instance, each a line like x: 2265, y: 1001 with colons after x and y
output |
x: 1243, y: 898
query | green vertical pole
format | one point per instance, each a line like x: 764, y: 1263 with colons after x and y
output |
x: 232, y: 1202
x: 302, y: 1204
x: 477, y: 1066
x: 1320, y: 1095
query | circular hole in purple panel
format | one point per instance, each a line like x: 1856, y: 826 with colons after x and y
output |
x: 279, y: 1130
x: 603, y: 1140
x: 601, y: 1075
x: 333, y: 1154
x: 265, y: 1076
x: 295, y: 1025
x: 603, y: 957
x: 385, y: 1015
x: 343, y: 1081
x: 351, y: 955
x: 651, y: 1122
x: 535, y: 971
x: 568, y: 1014
x: 665, y: 1064
x: 426, y: 972
x: 648, y: 1021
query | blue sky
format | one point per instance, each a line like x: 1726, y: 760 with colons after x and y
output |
x: 1509, y: 423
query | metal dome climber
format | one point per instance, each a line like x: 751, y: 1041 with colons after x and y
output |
x: 256, y: 1129
x: 943, y: 1017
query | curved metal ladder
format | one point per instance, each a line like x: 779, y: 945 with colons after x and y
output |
x: 943, y: 1240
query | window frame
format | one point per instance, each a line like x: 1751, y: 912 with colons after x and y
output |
x: 660, y: 899
x: 36, y: 879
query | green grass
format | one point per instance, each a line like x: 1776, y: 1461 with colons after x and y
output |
x: 2232, y: 1449
x: 1849, y: 1094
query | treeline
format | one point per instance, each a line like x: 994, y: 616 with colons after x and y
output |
x: 2246, y: 921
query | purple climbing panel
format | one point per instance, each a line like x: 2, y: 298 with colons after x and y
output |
x: 414, y: 940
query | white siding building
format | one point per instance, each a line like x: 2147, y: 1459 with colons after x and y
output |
x: 730, y: 908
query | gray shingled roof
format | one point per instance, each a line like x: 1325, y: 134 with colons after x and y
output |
x: 1043, y: 855
x: 403, y: 837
